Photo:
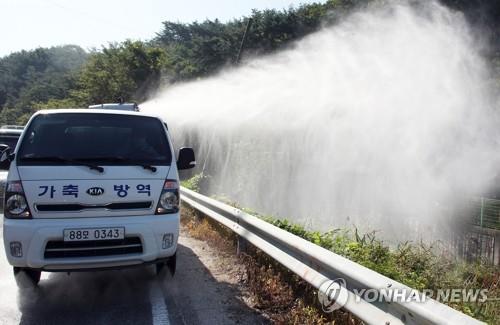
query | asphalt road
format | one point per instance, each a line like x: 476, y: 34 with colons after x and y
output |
x: 201, y: 292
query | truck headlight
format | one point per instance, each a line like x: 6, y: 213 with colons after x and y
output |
x: 169, y: 198
x: 16, y: 206
x: 169, y: 201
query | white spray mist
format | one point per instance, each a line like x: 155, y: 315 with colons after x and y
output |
x: 382, y: 122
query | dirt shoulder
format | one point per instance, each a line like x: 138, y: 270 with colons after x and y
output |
x: 258, y: 282
x: 218, y: 295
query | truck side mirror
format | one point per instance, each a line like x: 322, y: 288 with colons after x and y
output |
x: 186, y: 158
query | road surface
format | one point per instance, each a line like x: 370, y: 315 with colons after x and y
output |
x: 205, y: 290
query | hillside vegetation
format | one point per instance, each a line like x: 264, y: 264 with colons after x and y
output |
x: 68, y: 76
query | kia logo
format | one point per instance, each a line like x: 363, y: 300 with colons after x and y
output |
x: 95, y: 191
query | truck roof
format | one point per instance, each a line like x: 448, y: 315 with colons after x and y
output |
x: 93, y: 111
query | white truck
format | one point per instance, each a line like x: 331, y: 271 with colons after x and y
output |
x: 92, y: 189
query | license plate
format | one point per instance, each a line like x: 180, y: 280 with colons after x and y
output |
x: 94, y: 234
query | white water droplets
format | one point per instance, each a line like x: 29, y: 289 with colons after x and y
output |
x: 380, y: 121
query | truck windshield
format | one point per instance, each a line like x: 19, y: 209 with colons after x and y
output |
x: 104, y: 139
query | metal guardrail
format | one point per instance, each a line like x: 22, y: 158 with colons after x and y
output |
x: 317, y: 265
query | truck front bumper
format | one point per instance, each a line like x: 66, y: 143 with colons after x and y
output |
x: 158, y: 235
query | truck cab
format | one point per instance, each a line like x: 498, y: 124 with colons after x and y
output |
x: 92, y: 189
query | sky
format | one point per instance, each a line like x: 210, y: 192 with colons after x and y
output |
x: 28, y: 24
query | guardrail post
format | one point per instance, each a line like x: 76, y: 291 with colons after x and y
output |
x: 242, y: 245
x: 496, y: 249
x: 198, y: 216
x: 482, y: 212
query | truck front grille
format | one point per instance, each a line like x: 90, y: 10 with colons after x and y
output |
x: 92, y: 248
x: 75, y: 207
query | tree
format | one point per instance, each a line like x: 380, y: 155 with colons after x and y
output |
x: 29, y: 77
x: 125, y: 70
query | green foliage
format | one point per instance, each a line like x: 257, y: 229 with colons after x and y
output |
x: 69, y: 77
x: 419, y: 266
x: 29, y: 77
x: 193, y: 183
x: 198, y: 49
x: 26, y: 113
x: 126, y: 71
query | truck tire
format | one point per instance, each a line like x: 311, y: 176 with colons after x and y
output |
x: 27, y: 278
x: 170, y: 264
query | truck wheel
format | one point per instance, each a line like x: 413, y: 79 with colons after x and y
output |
x: 159, y: 267
x: 27, y: 278
x: 172, y: 264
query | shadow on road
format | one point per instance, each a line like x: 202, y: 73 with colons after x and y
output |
x: 193, y: 296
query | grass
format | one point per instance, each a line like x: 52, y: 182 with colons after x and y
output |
x: 193, y: 183
x: 417, y: 265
